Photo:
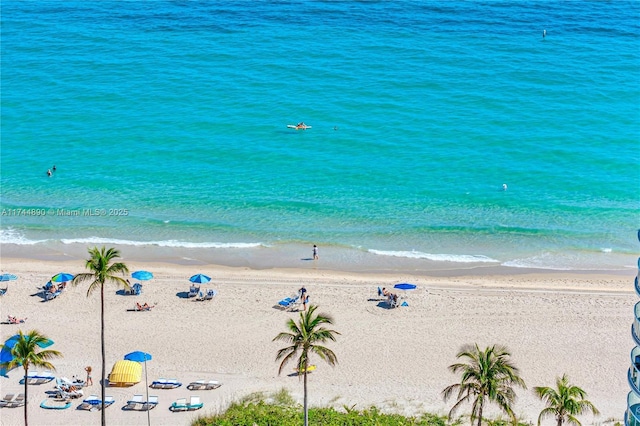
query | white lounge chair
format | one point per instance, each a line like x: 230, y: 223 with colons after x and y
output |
x: 204, y: 385
x: 181, y: 404
x: 90, y: 403
x: 150, y: 404
x: 165, y: 384
x: 7, y: 400
x: 17, y: 401
x: 38, y: 378
x: 63, y: 393
x: 94, y: 403
x: 133, y: 403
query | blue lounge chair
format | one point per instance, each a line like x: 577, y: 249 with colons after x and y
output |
x: 94, y: 402
x: 135, y: 290
x: 288, y: 302
x: 193, y: 291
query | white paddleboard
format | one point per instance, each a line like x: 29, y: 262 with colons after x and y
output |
x: 293, y: 126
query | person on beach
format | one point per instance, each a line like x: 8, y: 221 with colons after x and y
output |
x: 14, y: 320
x: 302, y: 292
x: 145, y: 307
x: 305, y: 300
x: 315, y: 252
x: 89, y: 380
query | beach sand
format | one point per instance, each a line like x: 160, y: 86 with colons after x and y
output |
x: 396, y: 359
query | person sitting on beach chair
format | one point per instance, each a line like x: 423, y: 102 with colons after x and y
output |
x: 393, y: 300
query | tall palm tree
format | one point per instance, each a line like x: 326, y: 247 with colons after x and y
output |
x: 487, y: 376
x: 564, y: 403
x: 103, y: 271
x: 303, y: 337
x: 27, y: 352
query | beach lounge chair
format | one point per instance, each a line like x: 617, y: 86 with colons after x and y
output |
x: 165, y: 384
x: 90, y: 403
x: 37, y: 378
x: 134, y: 402
x: 150, y: 404
x: 18, y: 401
x: 193, y: 291
x: 181, y: 404
x: 289, y: 302
x: 50, y: 296
x: 210, y: 293
x: 70, y: 393
x: 204, y: 385
x: 7, y: 400
x: 94, y: 403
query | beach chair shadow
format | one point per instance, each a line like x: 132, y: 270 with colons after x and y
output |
x: 307, y: 258
x: 384, y: 305
x: 183, y: 294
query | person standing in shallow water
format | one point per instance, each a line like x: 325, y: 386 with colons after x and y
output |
x: 315, y: 252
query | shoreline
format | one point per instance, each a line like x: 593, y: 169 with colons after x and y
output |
x: 552, y: 323
x: 298, y: 256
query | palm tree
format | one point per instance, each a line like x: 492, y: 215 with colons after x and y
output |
x: 564, y: 403
x: 488, y: 376
x: 303, y: 337
x: 26, y: 352
x: 102, y: 271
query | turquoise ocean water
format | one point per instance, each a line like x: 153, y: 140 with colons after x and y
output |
x: 166, y: 121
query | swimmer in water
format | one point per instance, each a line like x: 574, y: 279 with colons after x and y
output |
x: 504, y: 186
x: 544, y: 33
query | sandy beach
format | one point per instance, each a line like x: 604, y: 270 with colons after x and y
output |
x: 396, y: 359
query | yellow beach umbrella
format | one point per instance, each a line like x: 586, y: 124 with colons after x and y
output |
x: 125, y: 373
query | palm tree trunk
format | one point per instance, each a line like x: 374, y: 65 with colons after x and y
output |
x: 306, y: 409
x: 480, y: 415
x: 102, y: 384
x: 26, y: 388
x: 560, y: 420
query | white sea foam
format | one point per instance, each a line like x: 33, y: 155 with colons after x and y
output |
x: 534, y: 264
x: 13, y: 236
x: 165, y: 243
x: 459, y: 258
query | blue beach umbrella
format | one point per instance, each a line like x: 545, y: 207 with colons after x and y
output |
x: 200, y: 279
x: 405, y: 286
x: 139, y: 356
x: 8, y: 277
x: 62, y: 277
x: 6, y: 355
x: 142, y: 275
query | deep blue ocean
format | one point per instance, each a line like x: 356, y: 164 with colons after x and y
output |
x: 167, y: 124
